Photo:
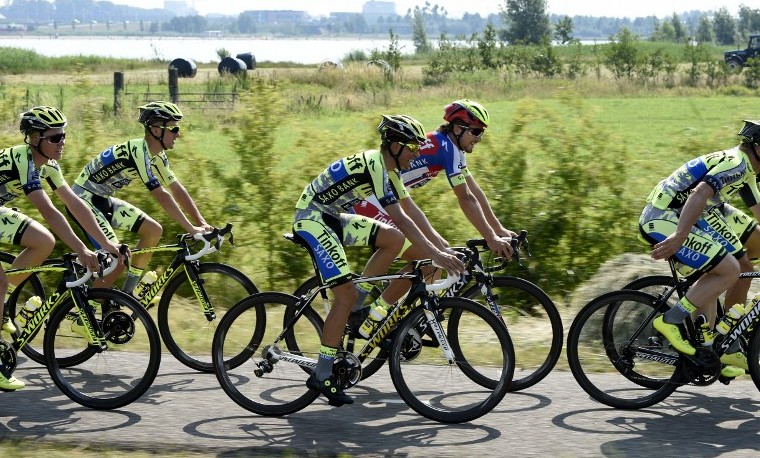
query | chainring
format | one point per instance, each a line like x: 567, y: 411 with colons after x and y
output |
x: 118, y: 327
x: 347, y: 369
x: 703, y: 368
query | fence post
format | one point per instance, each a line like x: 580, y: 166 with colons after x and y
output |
x: 118, y: 89
x: 173, y: 84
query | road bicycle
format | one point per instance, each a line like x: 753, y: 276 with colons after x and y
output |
x: 101, y: 347
x: 619, y: 359
x: 440, y: 344
x: 527, y: 311
x: 195, y: 296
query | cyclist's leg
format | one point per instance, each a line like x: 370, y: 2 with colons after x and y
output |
x: 387, y: 242
x: 748, y: 231
x: 320, y: 231
x: 700, y: 252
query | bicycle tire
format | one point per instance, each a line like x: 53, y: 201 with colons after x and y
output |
x: 753, y: 355
x: 594, y: 343
x: 245, y: 331
x: 433, y: 385
x: 525, y: 310
x: 377, y: 358
x: 119, y: 374
x: 31, y: 286
x: 191, y: 343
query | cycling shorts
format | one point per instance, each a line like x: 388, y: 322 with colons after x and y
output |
x: 717, y: 233
x: 12, y: 225
x: 326, y: 237
x: 110, y: 213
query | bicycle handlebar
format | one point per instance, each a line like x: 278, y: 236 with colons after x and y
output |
x: 440, y: 285
x: 102, y: 272
x: 217, y: 236
x: 516, y: 243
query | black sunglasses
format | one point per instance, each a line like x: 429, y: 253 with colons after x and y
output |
x: 172, y: 129
x: 476, y: 131
x: 55, y: 139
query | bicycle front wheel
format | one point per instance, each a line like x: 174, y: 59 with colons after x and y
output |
x: 113, y: 376
x: 186, y: 330
x: 534, y: 323
x: 267, y: 382
x: 435, y: 384
x: 617, y: 357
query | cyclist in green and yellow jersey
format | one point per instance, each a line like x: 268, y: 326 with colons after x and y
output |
x: 688, y: 217
x: 23, y: 168
x: 142, y: 159
x: 323, y: 220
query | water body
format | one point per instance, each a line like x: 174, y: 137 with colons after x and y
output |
x: 203, y: 50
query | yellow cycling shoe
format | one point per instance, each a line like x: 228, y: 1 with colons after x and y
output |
x: 673, y: 333
x: 731, y: 371
x: 8, y: 382
x: 8, y: 326
x: 737, y: 359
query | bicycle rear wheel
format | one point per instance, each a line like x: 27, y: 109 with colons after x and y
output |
x: 617, y: 357
x: 438, y: 388
x: 185, y: 329
x: 265, y: 384
x: 534, y: 324
x: 112, y: 377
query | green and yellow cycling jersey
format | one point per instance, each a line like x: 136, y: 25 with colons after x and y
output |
x: 19, y: 175
x: 118, y: 165
x: 728, y: 172
x: 349, y: 181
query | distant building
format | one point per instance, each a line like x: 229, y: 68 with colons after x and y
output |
x: 278, y: 16
x: 374, y: 10
x: 179, y: 8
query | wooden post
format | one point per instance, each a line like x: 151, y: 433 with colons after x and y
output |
x: 173, y: 84
x: 118, y: 89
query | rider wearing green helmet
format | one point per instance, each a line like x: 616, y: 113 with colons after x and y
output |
x: 26, y: 167
x: 142, y: 159
x: 323, y: 220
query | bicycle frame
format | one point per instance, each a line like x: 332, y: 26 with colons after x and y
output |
x: 187, y: 262
x: 385, y: 327
x: 64, y: 290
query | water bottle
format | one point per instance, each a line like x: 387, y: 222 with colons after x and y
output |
x: 376, y: 315
x: 730, y: 319
x: 26, y: 312
x: 146, y: 281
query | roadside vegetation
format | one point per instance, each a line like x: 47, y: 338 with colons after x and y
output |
x: 580, y: 135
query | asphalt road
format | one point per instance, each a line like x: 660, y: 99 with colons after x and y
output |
x: 185, y: 410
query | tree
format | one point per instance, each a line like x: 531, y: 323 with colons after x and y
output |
x: 526, y: 22
x: 679, y: 32
x: 705, y: 30
x: 749, y: 20
x: 419, y: 36
x: 724, y: 26
x: 563, y: 30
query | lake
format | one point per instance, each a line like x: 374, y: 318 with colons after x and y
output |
x: 202, y: 50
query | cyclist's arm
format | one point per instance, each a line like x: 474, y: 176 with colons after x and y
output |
x: 60, y: 226
x: 420, y: 219
x: 413, y: 233
x: 166, y: 200
x: 186, y: 202
x: 485, y: 207
x: 474, y: 213
x: 692, y: 209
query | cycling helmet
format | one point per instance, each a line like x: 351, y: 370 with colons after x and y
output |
x: 41, y: 119
x: 401, y: 128
x: 467, y: 111
x: 750, y: 133
x: 164, y: 111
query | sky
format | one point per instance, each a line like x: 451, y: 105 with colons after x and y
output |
x: 613, y: 8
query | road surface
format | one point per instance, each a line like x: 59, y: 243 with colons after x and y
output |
x: 185, y: 410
